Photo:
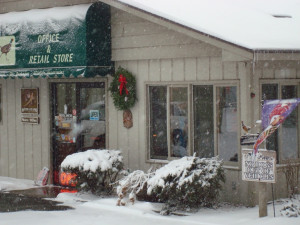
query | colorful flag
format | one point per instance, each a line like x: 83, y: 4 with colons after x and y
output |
x: 274, y: 112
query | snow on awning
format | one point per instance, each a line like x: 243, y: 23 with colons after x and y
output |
x: 62, y: 41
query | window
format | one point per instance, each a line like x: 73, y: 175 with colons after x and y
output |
x: 227, y: 127
x: 285, y: 140
x: 178, y: 121
x: 158, y: 122
x: 204, y: 122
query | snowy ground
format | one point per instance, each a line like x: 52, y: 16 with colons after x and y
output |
x: 91, y: 210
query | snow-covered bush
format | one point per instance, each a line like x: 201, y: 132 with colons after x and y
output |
x: 187, y: 182
x: 96, y: 169
x: 290, y: 210
x: 134, y: 183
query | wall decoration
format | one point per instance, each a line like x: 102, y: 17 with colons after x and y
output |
x: 127, y: 119
x: 123, y: 92
x: 123, y: 89
x: 30, y: 100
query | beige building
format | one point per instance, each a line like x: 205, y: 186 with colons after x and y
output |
x: 193, y: 91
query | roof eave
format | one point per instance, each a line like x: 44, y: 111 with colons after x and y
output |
x: 217, y: 42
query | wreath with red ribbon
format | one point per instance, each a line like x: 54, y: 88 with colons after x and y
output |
x: 123, y: 89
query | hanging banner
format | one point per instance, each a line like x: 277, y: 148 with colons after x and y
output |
x: 274, y: 112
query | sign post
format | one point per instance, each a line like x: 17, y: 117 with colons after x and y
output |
x: 260, y: 168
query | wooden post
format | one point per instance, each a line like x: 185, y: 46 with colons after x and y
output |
x: 262, y: 199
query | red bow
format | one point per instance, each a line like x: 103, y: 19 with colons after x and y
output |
x: 123, y: 83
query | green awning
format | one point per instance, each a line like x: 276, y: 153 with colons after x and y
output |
x: 72, y: 72
x: 67, y: 41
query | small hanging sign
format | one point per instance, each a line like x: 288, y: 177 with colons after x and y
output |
x: 30, y: 120
x: 94, y: 115
x: 260, y: 167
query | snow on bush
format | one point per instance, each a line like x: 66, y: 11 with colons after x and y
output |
x: 187, y: 182
x: 96, y: 169
x: 181, y: 184
x: 291, y: 210
x: 134, y: 184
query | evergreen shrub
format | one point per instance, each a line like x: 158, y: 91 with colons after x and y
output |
x: 188, y: 182
x: 96, y: 170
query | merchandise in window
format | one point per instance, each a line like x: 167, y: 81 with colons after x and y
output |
x: 285, y: 140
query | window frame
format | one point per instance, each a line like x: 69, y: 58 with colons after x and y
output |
x: 190, y: 148
x: 280, y: 83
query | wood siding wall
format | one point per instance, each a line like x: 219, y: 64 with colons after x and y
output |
x: 24, y: 148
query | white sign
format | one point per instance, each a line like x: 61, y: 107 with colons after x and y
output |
x: 42, y: 177
x: 94, y: 114
x: 259, y: 168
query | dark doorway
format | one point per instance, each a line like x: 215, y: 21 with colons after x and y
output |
x: 78, y: 115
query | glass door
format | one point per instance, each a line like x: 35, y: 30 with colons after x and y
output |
x: 92, y: 116
x: 78, y: 115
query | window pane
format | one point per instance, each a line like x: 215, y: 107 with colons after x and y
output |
x: 289, y: 126
x: 203, y: 121
x: 158, y: 122
x: 178, y: 121
x: 269, y: 92
x: 92, y: 118
x: 227, y: 123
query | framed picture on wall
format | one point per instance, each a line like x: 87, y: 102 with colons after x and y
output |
x: 29, y: 100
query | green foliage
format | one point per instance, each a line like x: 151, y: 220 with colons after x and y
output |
x: 123, y: 101
x: 192, y: 186
x: 98, y: 180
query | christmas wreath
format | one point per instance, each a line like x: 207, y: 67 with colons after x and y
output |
x: 123, y: 89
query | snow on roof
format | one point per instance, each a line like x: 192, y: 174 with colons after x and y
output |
x: 39, y: 15
x: 252, y: 24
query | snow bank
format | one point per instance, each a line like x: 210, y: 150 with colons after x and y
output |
x: 9, y: 184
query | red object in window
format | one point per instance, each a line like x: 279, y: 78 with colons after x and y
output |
x: 67, y: 179
x: 68, y: 191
